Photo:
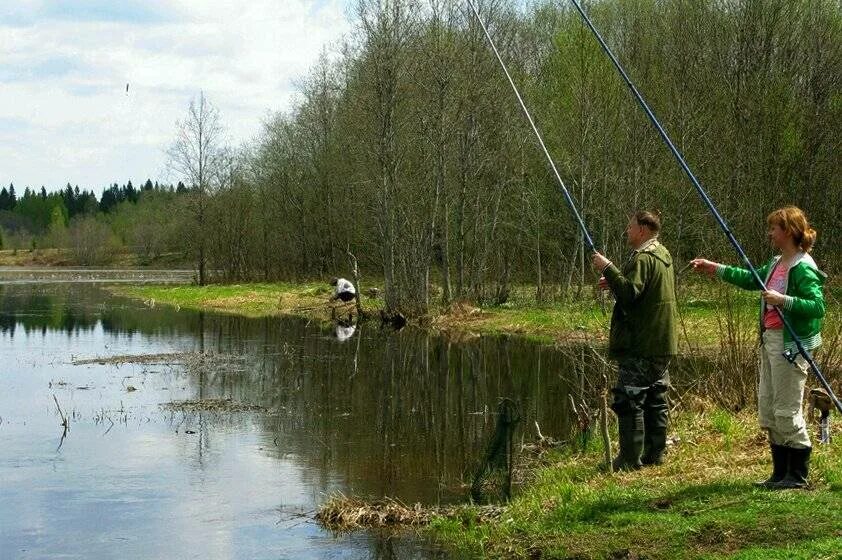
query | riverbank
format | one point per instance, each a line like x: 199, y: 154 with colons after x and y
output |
x: 700, y: 504
x: 307, y: 300
x: 706, y: 309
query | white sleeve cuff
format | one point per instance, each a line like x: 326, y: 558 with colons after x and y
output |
x: 788, y: 301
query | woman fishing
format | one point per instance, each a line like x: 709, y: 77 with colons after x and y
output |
x: 794, y: 289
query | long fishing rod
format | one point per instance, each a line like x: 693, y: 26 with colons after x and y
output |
x: 720, y: 220
x: 564, y: 191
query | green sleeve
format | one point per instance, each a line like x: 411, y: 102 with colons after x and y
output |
x: 809, y: 303
x: 626, y: 289
x: 742, y: 277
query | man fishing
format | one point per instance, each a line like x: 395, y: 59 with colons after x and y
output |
x: 643, y: 340
x: 343, y: 290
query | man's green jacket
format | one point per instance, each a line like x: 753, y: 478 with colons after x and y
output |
x: 645, y: 319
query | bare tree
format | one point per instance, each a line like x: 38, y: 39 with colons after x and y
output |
x: 410, y: 150
x: 194, y: 156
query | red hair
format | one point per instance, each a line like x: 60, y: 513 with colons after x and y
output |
x: 793, y: 221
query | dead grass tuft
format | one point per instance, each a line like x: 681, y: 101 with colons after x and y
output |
x: 342, y: 513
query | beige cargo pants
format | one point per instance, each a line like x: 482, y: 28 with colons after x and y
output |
x: 780, y: 393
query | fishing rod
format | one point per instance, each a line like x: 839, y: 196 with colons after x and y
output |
x: 720, y: 220
x: 564, y: 191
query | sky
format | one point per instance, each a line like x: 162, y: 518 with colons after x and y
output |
x: 65, y: 114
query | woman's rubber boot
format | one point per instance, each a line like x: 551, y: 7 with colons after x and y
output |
x: 630, y: 427
x: 780, y: 465
x: 799, y: 464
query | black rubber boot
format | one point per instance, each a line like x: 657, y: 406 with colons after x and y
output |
x: 631, y: 442
x: 654, y: 446
x: 796, y: 474
x: 655, y: 419
x: 780, y: 464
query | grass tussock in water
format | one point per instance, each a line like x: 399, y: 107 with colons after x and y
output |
x: 701, y: 504
x: 342, y: 514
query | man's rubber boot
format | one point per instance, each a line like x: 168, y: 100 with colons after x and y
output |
x: 780, y: 464
x: 654, y: 446
x: 631, y: 442
x: 655, y: 420
x: 796, y: 474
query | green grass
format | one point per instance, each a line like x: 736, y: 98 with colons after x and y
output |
x: 251, y: 300
x: 700, y: 504
x: 586, y: 318
x: 702, y: 308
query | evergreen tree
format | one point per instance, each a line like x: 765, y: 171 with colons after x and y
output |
x: 110, y: 198
x: 69, y: 199
x: 130, y: 193
x: 5, y: 201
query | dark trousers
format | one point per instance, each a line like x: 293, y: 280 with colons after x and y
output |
x: 345, y: 296
x: 640, y: 401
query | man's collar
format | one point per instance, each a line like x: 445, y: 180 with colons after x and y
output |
x: 646, y: 244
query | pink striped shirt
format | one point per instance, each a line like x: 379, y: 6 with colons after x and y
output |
x: 777, y: 282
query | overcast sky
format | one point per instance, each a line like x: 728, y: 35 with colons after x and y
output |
x: 65, y: 114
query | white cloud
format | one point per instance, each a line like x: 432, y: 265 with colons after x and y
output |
x: 64, y: 111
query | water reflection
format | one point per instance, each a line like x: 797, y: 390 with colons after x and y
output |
x: 401, y: 414
x: 404, y: 414
x: 376, y: 413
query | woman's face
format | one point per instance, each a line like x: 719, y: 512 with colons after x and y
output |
x: 779, y: 237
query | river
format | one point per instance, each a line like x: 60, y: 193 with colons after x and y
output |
x: 372, y: 413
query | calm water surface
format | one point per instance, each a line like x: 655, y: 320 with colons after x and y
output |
x: 378, y: 414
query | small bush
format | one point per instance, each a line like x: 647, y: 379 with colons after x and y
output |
x: 92, y: 242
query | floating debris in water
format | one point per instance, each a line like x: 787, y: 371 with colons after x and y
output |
x: 211, y: 405
x: 194, y: 362
x: 210, y: 362
x: 134, y: 359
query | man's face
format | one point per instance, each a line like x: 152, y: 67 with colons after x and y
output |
x: 635, y: 233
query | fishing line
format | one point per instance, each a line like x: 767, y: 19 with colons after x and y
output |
x: 569, y: 199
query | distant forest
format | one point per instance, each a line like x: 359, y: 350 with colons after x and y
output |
x: 406, y: 148
x: 125, y: 218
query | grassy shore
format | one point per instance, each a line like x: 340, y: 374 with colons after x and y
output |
x: 704, y: 307
x: 700, y: 504
x: 308, y: 300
